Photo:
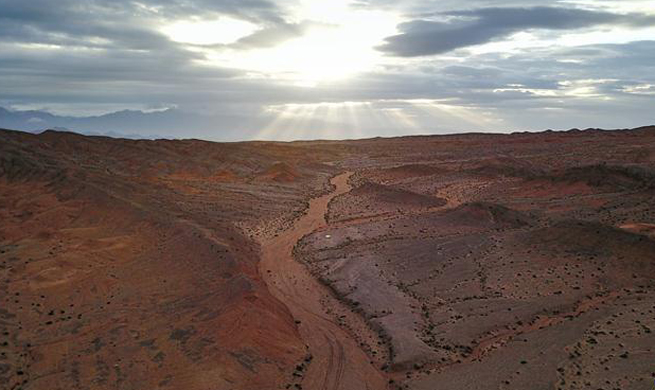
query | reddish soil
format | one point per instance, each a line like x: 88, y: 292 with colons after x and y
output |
x: 445, y: 262
x: 132, y: 265
x: 544, y: 243
x: 337, y: 361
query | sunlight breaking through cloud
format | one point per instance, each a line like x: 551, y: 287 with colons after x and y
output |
x: 347, y: 120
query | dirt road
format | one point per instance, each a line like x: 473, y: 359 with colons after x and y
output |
x: 338, y: 361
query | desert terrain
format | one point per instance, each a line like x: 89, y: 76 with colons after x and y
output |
x: 472, y: 261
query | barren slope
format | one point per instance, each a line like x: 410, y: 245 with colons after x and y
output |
x: 127, y: 264
x: 520, y: 280
x: 447, y: 262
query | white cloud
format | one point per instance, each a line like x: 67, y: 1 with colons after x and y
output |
x: 224, y: 30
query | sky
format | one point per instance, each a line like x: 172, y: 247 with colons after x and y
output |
x: 308, y: 69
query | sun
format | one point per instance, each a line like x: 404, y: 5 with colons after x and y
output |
x: 325, y: 53
x: 339, y: 43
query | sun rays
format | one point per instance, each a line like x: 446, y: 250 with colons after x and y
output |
x: 351, y: 120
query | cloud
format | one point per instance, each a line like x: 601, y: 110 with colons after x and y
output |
x: 466, y: 28
x: 272, y: 35
x: 92, y: 57
x: 112, y: 53
x: 126, y: 24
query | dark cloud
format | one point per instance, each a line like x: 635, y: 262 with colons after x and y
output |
x: 416, y: 8
x: 43, y: 12
x: 474, y: 27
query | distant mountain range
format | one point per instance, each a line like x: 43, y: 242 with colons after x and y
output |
x: 170, y: 123
x: 175, y: 123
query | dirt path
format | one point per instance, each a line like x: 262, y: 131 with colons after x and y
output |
x: 338, y: 361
